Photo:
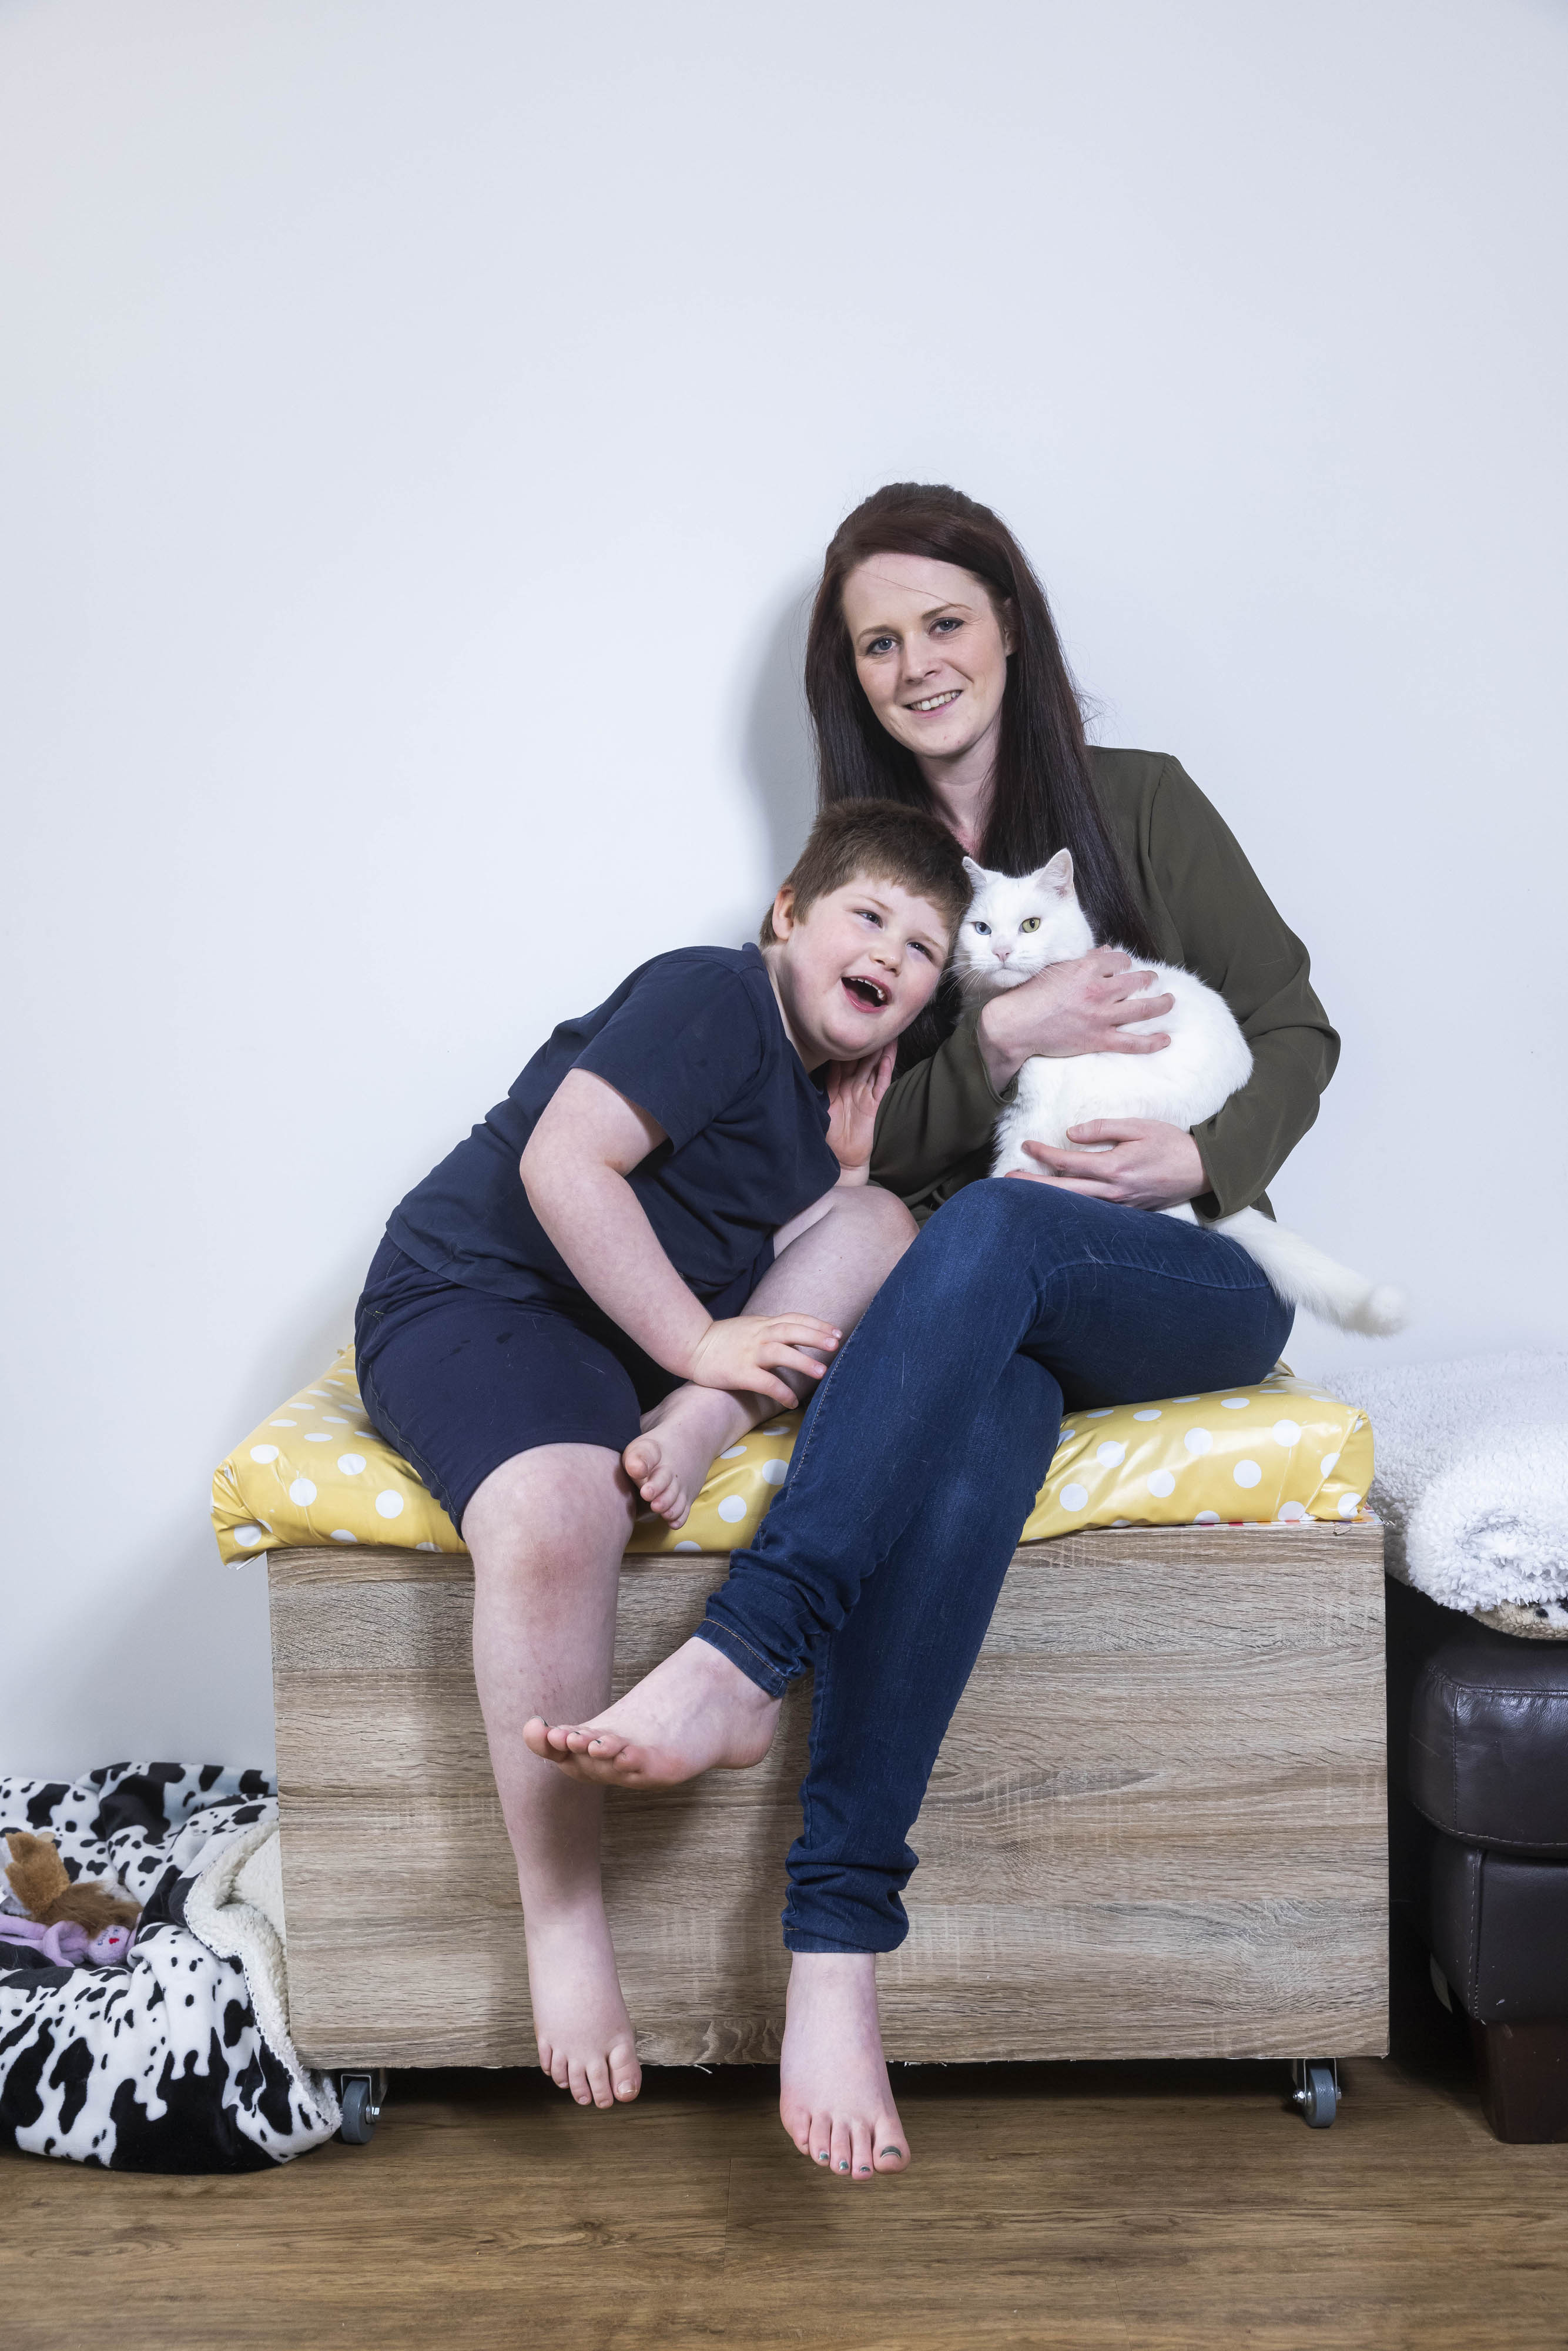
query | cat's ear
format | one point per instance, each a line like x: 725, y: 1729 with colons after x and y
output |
x: 977, y: 873
x: 1057, y: 874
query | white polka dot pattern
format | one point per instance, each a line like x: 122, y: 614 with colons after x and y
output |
x: 1197, y: 1460
x: 288, y: 1486
x: 1189, y: 1460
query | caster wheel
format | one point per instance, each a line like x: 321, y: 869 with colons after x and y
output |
x: 1317, y: 2095
x: 361, y: 2110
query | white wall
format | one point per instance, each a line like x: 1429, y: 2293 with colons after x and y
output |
x: 421, y: 420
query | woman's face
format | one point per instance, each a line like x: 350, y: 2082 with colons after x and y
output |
x: 930, y: 650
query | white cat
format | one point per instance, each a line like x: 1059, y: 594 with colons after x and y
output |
x: 1014, y: 927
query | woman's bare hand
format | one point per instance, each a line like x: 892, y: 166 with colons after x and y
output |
x: 1147, y: 1165
x: 1081, y: 1007
x: 855, y: 1090
x: 746, y: 1352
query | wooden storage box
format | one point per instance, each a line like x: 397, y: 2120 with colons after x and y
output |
x: 1157, y: 1828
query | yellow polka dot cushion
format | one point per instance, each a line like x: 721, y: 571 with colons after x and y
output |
x: 315, y: 1472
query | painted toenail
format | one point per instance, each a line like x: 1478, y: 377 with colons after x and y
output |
x: 822, y: 2155
x: 843, y: 2167
x: 893, y: 2150
x: 865, y: 2167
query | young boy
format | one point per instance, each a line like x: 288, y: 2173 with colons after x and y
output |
x: 692, y: 1233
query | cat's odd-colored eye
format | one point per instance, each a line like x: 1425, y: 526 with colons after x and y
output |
x: 983, y: 928
x: 1029, y: 923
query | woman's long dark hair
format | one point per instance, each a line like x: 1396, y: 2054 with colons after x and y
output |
x: 1042, y: 798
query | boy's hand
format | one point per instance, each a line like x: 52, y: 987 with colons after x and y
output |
x: 738, y: 1354
x: 855, y: 1090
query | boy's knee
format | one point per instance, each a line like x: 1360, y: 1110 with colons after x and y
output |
x: 544, y: 1507
x: 882, y: 1225
x: 888, y: 1215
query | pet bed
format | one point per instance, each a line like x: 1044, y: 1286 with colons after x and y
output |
x: 178, y: 2059
x: 315, y: 1472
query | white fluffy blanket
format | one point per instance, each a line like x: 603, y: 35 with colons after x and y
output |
x: 1472, y: 1482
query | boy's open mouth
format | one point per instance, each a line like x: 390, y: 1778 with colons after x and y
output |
x: 869, y: 992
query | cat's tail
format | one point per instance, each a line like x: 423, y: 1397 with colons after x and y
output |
x: 1304, y: 1276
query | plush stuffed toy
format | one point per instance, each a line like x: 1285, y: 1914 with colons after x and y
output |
x: 40, y: 1882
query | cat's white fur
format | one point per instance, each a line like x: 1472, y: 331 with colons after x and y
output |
x: 1015, y: 926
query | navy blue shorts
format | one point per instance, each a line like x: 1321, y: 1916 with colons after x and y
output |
x: 457, y: 1380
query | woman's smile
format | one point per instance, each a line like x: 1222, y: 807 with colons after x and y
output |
x: 910, y: 618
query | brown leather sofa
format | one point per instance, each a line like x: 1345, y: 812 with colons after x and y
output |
x: 1478, y: 1790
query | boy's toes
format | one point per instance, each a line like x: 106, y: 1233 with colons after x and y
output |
x: 892, y: 2155
x: 585, y: 1740
x: 859, y: 2151
x: 604, y: 1746
x: 552, y: 1741
x: 625, y: 2074
x: 640, y: 1460
x: 841, y: 2148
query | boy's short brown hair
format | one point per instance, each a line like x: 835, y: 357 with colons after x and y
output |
x: 886, y: 841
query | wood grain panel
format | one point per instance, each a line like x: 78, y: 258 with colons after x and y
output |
x: 1155, y: 1828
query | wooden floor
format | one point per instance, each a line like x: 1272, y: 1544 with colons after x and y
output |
x: 1079, y: 2206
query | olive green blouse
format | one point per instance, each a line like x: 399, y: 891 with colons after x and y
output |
x: 1207, y: 910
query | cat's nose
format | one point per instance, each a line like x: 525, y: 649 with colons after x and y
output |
x: 1001, y: 953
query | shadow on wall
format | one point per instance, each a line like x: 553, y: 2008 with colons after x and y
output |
x: 776, y: 752
x: 182, y: 1615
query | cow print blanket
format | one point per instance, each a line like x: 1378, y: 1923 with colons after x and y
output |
x: 158, y: 2064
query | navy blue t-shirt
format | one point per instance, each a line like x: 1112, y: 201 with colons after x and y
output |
x: 696, y: 1039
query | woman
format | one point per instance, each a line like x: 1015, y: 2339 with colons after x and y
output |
x: 935, y: 677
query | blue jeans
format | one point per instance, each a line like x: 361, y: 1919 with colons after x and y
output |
x: 925, y: 1444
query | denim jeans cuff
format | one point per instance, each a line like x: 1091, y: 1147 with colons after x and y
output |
x: 801, y: 1938
x: 740, y: 1652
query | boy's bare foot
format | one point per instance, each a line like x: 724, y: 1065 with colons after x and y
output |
x: 585, y: 2038
x: 681, y: 1438
x: 693, y: 1713
x: 834, y: 2097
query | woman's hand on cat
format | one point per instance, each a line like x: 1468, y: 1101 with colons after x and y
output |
x: 855, y: 1090
x: 746, y: 1352
x: 1080, y: 1006
x: 1147, y: 1166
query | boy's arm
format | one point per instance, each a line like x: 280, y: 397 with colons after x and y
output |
x: 574, y: 1171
